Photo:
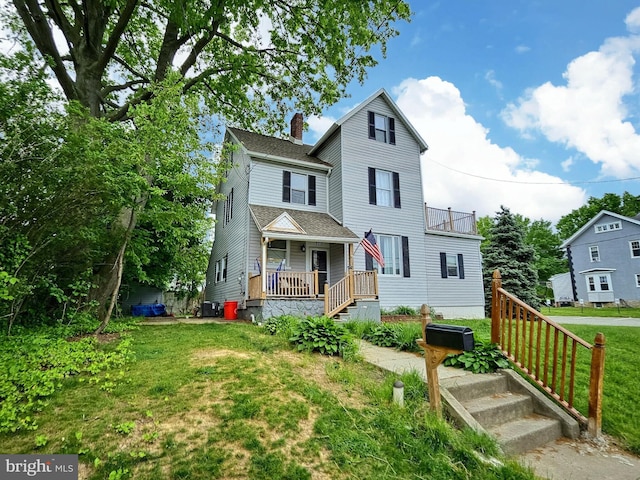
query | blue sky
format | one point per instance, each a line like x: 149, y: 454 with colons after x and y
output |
x: 537, y: 97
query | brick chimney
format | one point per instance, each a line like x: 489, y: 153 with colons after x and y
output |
x: 297, y: 123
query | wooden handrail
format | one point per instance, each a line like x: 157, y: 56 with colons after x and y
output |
x: 355, y: 285
x: 547, y: 352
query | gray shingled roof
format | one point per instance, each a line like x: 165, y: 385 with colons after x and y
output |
x: 316, y: 225
x: 257, y: 143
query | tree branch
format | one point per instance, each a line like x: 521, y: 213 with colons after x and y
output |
x: 36, y: 23
x: 116, y: 33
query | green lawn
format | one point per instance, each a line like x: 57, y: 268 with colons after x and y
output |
x: 622, y: 312
x: 229, y: 401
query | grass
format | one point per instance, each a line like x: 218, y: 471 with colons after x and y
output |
x: 229, y: 401
x: 622, y: 312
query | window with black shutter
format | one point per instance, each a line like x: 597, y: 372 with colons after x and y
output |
x: 381, y: 128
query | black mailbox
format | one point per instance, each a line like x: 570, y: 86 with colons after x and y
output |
x: 449, y: 336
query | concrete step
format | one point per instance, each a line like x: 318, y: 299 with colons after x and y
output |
x: 499, y: 408
x: 469, y: 387
x: 526, y: 434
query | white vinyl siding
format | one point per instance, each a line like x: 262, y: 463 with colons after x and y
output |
x: 267, y: 183
x: 228, y: 256
x: 359, y: 154
x: 454, y: 294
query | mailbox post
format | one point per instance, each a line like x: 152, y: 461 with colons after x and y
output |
x: 438, y: 341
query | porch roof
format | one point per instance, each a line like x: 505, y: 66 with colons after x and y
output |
x: 315, y: 226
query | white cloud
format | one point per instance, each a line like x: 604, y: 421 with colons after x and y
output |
x: 633, y: 21
x: 461, y: 158
x: 319, y: 125
x: 588, y: 113
x: 490, y: 77
x: 567, y: 164
x: 522, y: 49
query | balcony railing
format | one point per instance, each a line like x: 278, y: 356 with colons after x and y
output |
x: 451, y: 221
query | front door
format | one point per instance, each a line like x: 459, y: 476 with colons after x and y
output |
x: 319, y: 263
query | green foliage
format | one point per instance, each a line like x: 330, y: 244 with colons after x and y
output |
x: 125, y: 428
x: 320, y: 334
x: 625, y: 204
x: 282, y: 325
x: 404, y: 310
x: 36, y: 364
x: 484, y: 358
x: 508, y: 252
x: 401, y: 336
x: 382, y: 335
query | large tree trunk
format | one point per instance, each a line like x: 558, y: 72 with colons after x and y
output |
x: 108, y: 279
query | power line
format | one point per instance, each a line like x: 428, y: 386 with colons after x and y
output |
x: 532, y: 183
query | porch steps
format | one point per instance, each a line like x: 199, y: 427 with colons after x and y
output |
x: 362, y: 309
x: 508, y: 408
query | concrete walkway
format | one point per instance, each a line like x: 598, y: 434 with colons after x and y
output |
x: 564, y: 459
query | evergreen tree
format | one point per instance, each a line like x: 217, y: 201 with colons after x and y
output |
x: 508, y: 252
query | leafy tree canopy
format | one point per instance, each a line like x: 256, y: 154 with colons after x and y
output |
x: 249, y: 61
x: 625, y: 204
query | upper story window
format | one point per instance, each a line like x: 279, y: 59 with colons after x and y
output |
x: 635, y: 248
x: 608, y: 226
x: 451, y: 265
x: 384, y: 188
x: 638, y: 280
x: 382, y: 128
x: 298, y: 188
x: 228, y: 208
x: 594, y: 253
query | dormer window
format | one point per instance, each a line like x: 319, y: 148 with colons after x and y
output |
x: 382, y: 128
x: 607, y: 227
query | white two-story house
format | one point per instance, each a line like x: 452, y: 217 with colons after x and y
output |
x: 288, y: 235
x: 604, y: 260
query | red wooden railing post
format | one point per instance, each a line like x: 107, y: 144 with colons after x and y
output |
x: 596, y: 381
x: 496, y: 283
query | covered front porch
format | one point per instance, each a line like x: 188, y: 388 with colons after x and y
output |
x: 305, y: 261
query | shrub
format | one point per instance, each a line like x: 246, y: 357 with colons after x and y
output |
x: 484, y: 358
x: 382, y: 335
x: 282, y: 325
x: 320, y: 334
x: 404, y: 310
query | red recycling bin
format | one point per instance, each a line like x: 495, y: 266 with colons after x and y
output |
x: 230, y: 310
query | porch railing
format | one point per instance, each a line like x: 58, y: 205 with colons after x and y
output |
x: 355, y: 285
x: 284, y: 284
x: 451, y: 221
x: 548, y: 353
x: 360, y: 284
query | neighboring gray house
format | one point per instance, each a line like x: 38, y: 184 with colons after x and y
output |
x: 294, y: 215
x: 604, y: 260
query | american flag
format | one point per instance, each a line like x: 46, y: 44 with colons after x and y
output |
x: 372, y: 248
